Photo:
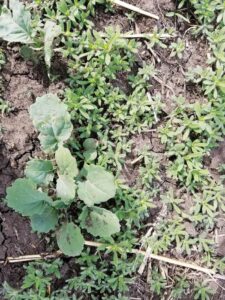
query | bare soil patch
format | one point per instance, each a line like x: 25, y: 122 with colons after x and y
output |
x: 18, y: 142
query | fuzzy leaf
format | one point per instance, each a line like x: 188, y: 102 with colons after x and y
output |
x: 99, y: 186
x: 24, y: 198
x: 51, y: 32
x: 90, y: 146
x: 65, y: 187
x: 51, y: 118
x: 40, y: 171
x: 46, y: 108
x: 66, y: 162
x: 100, y: 222
x: 16, y: 26
x: 46, y: 221
x: 70, y: 239
x: 54, y: 134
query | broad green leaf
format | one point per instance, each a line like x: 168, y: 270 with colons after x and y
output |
x: 55, y: 133
x: 90, y: 155
x: 60, y: 204
x: 70, y: 239
x: 100, y: 222
x: 40, y: 171
x: 66, y: 162
x: 90, y: 146
x: 46, y: 221
x: 65, y: 188
x: 24, y: 198
x: 51, y: 118
x: 99, y: 186
x: 48, y: 143
x: 16, y: 26
x: 46, y: 108
x: 51, y: 32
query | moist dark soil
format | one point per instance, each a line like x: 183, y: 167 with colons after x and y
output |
x: 24, y: 81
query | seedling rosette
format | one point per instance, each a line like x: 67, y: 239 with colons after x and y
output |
x: 59, y: 177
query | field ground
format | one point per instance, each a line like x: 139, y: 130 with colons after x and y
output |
x: 147, y: 160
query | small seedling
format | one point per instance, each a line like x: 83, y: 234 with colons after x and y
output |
x: 177, y: 48
x: 202, y: 291
x: 157, y: 282
x: 4, y: 107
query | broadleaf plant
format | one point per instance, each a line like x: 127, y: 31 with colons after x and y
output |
x: 40, y: 171
x: 52, y: 120
x: 24, y: 197
x: 59, y: 177
x: 15, y: 23
x: 98, y: 187
x: 99, y: 221
x: 45, y: 221
x: 16, y: 27
x: 66, y: 162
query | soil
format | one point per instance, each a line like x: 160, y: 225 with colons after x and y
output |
x: 23, y: 82
x: 217, y: 159
x: 170, y: 79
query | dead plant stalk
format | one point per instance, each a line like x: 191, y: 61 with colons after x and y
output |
x: 160, y: 258
x: 135, y: 9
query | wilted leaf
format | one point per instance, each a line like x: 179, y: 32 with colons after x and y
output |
x: 99, y: 186
x: 40, y: 171
x: 70, y: 239
x: 24, y: 198
x: 66, y: 162
x: 51, y: 32
x: 65, y: 187
x: 46, y: 221
x: 100, y: 222
x: 15, y: 26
